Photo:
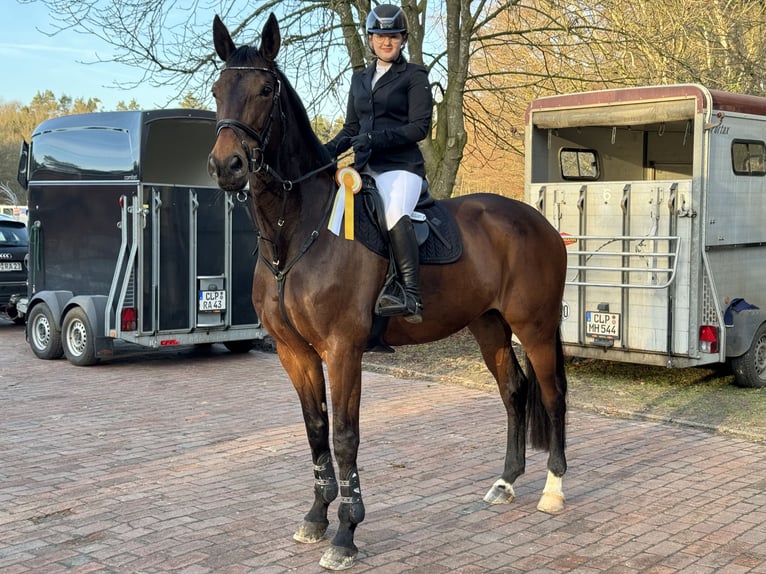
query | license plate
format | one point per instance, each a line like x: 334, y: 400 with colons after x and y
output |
x: 10, y: 266
x: 602, y: 325
x: 212, y: 300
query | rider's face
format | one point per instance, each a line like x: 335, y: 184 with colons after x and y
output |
x: 387, y: 47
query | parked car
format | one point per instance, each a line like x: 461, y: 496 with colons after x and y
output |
x: 14, y: 245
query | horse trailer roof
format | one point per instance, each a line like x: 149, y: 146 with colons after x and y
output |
x: 691, y: 98
x: 126, y: 120
x: 159, y: 146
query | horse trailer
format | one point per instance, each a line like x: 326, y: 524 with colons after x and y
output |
x: 130, y: 240
x: 659, y: 193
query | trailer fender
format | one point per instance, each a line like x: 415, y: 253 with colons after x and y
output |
x: 56, y: 302
x: 740, y: 334
x: 94, y: 307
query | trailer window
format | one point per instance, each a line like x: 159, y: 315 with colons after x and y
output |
x: 748, y: 157
x: 578, y: 164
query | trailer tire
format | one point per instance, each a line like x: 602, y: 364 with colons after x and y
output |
x: 78, y: 338
x: 750, y: 368
x: 43, y: 334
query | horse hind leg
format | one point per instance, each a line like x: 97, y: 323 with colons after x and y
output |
x: 547, y: 417
x: 494, y: 337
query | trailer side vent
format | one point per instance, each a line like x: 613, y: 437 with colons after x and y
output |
x: 708, y: 339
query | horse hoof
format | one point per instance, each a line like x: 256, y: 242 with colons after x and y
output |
x: 551, y: 503
x: 338, y: 558
x: 310, y: 532
x: 500, y: 493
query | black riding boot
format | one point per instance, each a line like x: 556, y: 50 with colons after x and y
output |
x: 405, y: 250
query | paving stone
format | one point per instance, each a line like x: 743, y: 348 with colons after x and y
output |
x: 189, y: 463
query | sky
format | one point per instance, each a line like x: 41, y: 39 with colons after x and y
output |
x: 32, y: 62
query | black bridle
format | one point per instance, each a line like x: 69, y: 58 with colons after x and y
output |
x: 255, y: 155
x: 256, y: 158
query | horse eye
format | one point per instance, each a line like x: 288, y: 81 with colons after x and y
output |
x: 266, y: 90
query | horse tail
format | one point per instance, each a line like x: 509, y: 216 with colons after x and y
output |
x: 539, y: 426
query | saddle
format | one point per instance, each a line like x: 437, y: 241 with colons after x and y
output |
x: 436, y: 231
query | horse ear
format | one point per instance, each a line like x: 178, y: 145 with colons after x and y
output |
x: 270, y: 39
x: 224, y: 45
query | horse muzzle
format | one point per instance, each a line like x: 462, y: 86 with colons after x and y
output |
x: 230, y: 173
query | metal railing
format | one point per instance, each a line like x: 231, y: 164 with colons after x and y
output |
x: 658, y: 257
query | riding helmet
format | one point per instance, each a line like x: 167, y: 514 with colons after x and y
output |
x: 387, y: 19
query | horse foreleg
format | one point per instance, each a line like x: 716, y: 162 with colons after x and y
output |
x: 315, y: 523
x: 305, y: 372
x: 345, y: 373
x: 494, y: 338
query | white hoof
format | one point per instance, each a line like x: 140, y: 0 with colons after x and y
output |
x: 552, y: 500
x: 551, y: 503
x: 500, y: 493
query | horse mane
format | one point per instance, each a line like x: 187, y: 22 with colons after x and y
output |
x: 301, y: 118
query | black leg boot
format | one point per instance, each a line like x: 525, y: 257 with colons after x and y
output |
x: 404, y: 247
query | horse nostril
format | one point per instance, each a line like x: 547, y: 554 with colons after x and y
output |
x: 212, y: 167
x: 235, y: 164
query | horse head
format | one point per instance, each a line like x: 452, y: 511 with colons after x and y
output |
x: 247, y: 96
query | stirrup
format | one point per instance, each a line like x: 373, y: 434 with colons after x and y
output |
x: 414, y: 316
x: 390, y: 304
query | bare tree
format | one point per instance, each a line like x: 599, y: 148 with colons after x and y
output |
x: 7, y: 195
x: 718, y: 43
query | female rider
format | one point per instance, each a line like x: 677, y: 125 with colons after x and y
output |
x: 388, y: 113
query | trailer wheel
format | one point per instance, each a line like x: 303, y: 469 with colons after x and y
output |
x: 750, y: 368
x: 78, y: 338
x: 43, y: 334
x: 239, y: 346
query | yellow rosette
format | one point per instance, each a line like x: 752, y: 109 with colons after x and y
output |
x: 349, y: 182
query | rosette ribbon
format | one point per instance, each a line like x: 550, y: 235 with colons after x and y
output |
x: 349, y: 182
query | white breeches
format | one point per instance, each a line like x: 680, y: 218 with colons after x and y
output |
x: 400, y: 191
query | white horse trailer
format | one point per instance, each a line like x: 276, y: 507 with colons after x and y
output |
x: 659, y: 193
x: 131, y: 240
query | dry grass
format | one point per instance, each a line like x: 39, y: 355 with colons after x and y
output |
x: 700, y: 397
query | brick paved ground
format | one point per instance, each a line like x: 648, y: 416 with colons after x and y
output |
x: 197, y: 464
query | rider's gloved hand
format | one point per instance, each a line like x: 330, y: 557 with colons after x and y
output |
x: 335, y: 148
x: 362, y: 143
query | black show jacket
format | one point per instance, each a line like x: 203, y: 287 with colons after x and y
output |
x: 396, y: 114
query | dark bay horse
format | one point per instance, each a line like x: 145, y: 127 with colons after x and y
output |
x: 315, y: 292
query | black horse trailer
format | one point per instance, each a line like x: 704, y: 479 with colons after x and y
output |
x: 130, y: 239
